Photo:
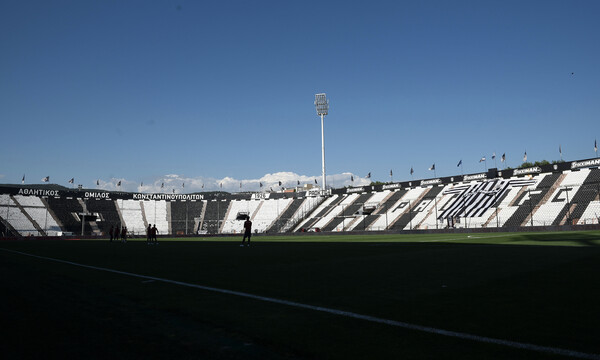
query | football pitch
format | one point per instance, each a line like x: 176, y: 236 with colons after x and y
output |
x: 461, y: 296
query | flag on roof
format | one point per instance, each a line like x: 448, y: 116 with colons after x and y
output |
x: 98, y: 182
x: 391, y: 174
x: 368, y: 175
x: 46, y: 179
x: 162, y: 185
x: 23, y: 179
x: 482, y: 159
x: 503, y: 158
x: 142, y: 184
x: 459, y: 163
x: 432, y: 167
x: 525, y: 157
x: 316, y: 181
x: 72, y: 180
x: 298, y: 182
x: 494, y: 156
x: 279, y: 183
x: 352, y: 178
x: 119, y: 183
x: 560, y: 150
x: 595, y: 146
x: 411, y: 170
x: 260, y: 184
x: 183, y: 185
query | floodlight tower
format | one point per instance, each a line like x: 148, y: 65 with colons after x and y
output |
x: 322, y: 105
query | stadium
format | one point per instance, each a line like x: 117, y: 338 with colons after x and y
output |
x: 497, y: 264
x: 204, y: 223
x: 547, y: 197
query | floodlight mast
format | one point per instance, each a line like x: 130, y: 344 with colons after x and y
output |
x: 322, y: 105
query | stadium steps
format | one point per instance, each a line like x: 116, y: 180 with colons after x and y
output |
x: 545, y: 196
x: 35, y: 224
x: 405, y: 217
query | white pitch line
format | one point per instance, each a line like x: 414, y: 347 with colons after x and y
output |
x: 427, y: 329
x: 468, y: 237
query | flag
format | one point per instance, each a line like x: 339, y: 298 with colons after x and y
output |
x: 411, y: 170
x: 368, y: 175
x: 72, y: 180
x: 459, y: 163
x: 203, y: 186
x: 98, y: 182
x: 391, y: 174
x: 482, y: 159
x: 560, y: 150
x: 316, y: 181
x: 503, y: 158
x: 494, y: 156
x: 240, y: 185
x: 183, y: 185
x: 260, y: 184
x: 279, y: 183
x: 119, y: 183
x: 221, y: 185
x: 173, y: 191
x: 525, y: 157
x: 162, y: 185
x: 352, y: 178
x: 23, y: 179
x: 142, y: 184
x: 595, y: 146
x: 46, y: 179
x: 298, y: 182
x: 432, y: 167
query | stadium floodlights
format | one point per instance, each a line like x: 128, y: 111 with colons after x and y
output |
x: 322, y: 104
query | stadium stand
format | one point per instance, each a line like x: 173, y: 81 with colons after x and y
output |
x: 548, y: 195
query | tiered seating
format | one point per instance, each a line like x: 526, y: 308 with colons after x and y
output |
x: 107, y: 211
x: 10, y: 212
x: 65, y: 210
x: 131, y: 210
x: 231, y: 225
x: 269, y: 213
x: 183, y: 215
x: 308, y: 205
x: 36, y: 209
x: 401, y: 214
x: 528, y: 200
x: 591, y: 215
x: 335, y: 211
x: 156, y: 214
x: 286, y: 216
x: 213, y: 218
x: 315, y: 215
x: 427, y: 212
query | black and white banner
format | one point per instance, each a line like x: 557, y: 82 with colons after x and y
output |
x: 476, y: 198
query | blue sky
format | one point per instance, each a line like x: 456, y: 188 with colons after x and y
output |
x: 222, y: 92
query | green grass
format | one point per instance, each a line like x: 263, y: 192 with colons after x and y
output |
x: 539, y: 288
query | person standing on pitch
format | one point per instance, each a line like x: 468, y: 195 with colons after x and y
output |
x: 110, y: 232
x: 124, y: 234
x: 247, y: 231
x: 149, y: 234
x: 154, y: 232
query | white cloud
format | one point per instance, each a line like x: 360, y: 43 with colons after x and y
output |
x: 181, y: 184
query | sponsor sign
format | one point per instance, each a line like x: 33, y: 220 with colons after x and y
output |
x: 431, y: 182
x: 585, y: 163
x: 475, y: 177
x: 531, y: 170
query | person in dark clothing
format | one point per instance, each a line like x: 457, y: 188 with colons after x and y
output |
x: 154, y: 232
x: 247, y: 231
x: 117, y: 232
x: 149, y: 234
x: 110, y: 232
x: 124, y: 234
